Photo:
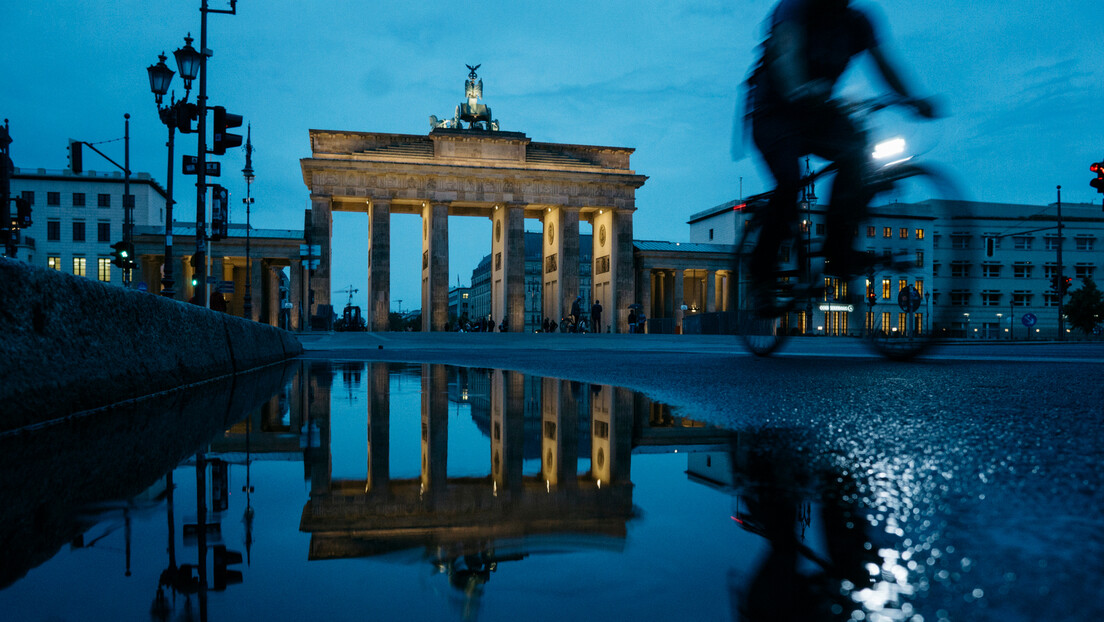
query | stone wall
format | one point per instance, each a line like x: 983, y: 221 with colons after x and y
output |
x: 69, y: 344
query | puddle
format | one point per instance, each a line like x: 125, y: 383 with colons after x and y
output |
x: 387, y: 491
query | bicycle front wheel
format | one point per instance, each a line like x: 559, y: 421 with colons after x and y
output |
x: 911, y: 215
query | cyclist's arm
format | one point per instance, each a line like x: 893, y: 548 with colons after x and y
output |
x: 893, y: 78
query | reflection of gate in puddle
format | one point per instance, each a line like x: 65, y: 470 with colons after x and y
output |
x: 506, y: 512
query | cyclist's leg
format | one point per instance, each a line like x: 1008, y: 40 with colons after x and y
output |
x: 836, y: 138
x: 780, y: 143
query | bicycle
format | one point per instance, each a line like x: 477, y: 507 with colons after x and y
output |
x: 909, y: 205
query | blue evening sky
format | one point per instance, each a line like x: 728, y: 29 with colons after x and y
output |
x: 1022, y: 82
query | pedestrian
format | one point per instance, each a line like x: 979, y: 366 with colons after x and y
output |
x: 596, y: 316
x: 490, y: 324
x: 632, y: 320
x: 576, y: 312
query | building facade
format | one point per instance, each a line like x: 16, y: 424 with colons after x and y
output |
x: 77, y: 217
x: 942, y: 248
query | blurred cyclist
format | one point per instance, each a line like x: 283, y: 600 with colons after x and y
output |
x: 809, y: 45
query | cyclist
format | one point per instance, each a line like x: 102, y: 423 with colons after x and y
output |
x: 809, y: 45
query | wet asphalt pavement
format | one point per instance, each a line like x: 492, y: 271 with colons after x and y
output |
x: 980, y: 465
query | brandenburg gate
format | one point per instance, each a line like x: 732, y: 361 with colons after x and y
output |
x: 486, y: 173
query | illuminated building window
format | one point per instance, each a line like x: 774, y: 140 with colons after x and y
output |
x: 870, y: 231
x: 103, y: 269
x: 53, y: 263
x: 919, y: 234
x: 886, y: 286
x: 887, y: 232
x: 903, y: 233
x: 79, y: 266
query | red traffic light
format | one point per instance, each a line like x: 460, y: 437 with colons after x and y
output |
x: 1098, y: 183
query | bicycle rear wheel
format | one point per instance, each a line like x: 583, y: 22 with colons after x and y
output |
x: 913, y: 207
x: 761, y: 317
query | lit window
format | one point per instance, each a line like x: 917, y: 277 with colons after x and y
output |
x: 54, y: 263
x: 887, y: 232
x: 870, y: 231
x: 903, y: 233
x: 79, y: 266
x: 886, y: 286
x: 103, y: 269
x: 919, y: 234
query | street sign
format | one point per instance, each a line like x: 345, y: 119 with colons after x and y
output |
x: 190, y: 164
x: 226, y: 287
x: 909, y: 299
x: 142, y: 287
x: 1029, y: 319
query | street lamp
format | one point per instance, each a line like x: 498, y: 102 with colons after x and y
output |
x: 176, y: 114
x: 248, y: 200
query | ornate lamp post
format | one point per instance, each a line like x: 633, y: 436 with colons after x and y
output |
x: 248, y: 200
x: 176, y: 114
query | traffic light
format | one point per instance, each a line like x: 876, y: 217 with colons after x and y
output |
x: 22, y: 219
x: 223, y: 139
x: 1066, y: 283
x: 76, y: 162
x: 1098, y: 183
x: 124, y: 255
x: 198, y: 260
x: 185, y: 114
x: 220, y: 212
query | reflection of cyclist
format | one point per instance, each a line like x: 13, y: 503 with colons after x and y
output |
x: 809, y: 45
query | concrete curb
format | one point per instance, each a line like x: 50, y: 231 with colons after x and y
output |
x: 71, y: 344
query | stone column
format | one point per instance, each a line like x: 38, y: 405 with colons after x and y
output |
x: 677, y: 302
x: 296, y: 289
x: 434, y: 266
x: 507, y: 430
x: 568, y: 433
x: 379, y: 266
x: 379, y: 430
x: 604, y: 266
x: 710, y: 291
x: 318, y: 233
x: 551, y: 431
x: 601, y: 430
x: 624, y: 287
x: 645, y: 291
x: 434, y: 430
x: 271, y: 289
x: 569, y: 257
x: 514, y: 261
x: 661, y: 294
